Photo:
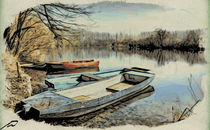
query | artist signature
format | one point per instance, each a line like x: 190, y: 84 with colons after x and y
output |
x: 12, y: 123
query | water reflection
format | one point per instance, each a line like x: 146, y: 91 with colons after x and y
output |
x: 72, y: 71
x: 165, y: 56
x: 160, y: 56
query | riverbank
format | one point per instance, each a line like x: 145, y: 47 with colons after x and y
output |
x: 19, y: 83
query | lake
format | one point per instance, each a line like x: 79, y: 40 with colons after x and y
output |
x: 174, y: 72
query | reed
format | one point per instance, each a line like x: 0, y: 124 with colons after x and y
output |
x: 188, y: 111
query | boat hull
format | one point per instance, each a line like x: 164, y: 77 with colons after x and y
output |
x: 81, y: 108
x: 41, y: 67
x: 83, y: 111
x: 72, y: 65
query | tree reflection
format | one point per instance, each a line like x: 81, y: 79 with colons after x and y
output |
x: 160, y: 56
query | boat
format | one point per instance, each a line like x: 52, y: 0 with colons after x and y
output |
x: 85, y: 99
x: 63, y: 67
x: 35, y: 66
x: 72, y: 64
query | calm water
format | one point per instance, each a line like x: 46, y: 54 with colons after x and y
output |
x: 173, y: 72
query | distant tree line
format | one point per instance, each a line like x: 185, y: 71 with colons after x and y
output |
x: 165, y: 40
x: 158, y: 39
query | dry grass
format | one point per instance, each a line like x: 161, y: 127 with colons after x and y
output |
x: 36, y: 42
x: 18, y: 88
x: 187, y: 111
x: 37, y: 80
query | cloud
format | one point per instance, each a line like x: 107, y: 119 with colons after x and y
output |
x: 176, y: 15
x: 170, y: 20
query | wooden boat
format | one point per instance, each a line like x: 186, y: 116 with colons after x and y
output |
x: 41, y: 66
x: 81, y: 100
x: 72, y: 64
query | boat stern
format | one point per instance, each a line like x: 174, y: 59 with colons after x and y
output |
x: 26, y: 111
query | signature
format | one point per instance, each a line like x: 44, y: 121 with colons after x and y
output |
x: 10, y: 124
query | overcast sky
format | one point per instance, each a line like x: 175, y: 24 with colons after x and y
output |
x: 138, y: 17
x: 132, y: 17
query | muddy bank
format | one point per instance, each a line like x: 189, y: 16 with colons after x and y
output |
x: 19, y: 83
x: 33, y: 45
x: 37, y: 80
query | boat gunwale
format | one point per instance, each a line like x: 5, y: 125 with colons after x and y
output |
x: 106, y: 78
x: 97, y: 82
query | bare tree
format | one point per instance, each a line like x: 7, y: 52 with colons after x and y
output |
x: 59, y: 18
x: 18, y: 33
x: 160, y: 36
x: 192, y: 38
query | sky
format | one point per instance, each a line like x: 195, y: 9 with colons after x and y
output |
x: 132, y: 17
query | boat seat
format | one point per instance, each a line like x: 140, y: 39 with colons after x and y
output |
x: 89, y: 77
x: 82, y: 98
x: 132, y: 79
x: 118, y: 87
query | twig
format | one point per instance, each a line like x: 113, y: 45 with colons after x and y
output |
x: 189, y: 110
x: 18, y: 70
x: 191, y: 89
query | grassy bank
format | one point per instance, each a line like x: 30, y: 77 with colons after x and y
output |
x: 19, y: 83
x: 32, y: 44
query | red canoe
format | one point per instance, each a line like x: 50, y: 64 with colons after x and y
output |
x: 73, y: 64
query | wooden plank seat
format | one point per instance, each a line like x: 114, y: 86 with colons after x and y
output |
x: 82, y: 98
x: 118, y: 87
x: 89, y: 77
